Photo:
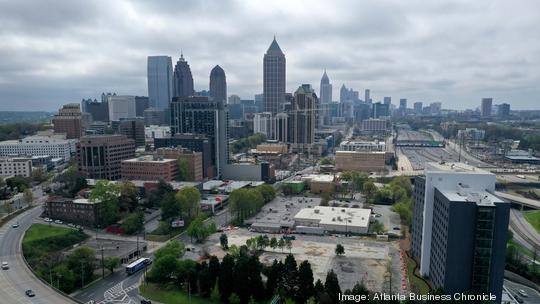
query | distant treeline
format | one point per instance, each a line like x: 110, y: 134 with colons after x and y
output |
x: 19, y: 130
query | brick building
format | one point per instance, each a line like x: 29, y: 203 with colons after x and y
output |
x: 100, y: 156
x: 194, y: 160
x: 150, y: 168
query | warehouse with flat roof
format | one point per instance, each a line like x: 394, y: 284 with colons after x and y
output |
x: 334, y: 219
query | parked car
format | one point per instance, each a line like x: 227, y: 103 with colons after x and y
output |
x: 58, y: 222
x: 5, y: 265
x: 30, y: 293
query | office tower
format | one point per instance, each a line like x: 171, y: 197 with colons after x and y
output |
x: 418, y: 107
x: 435, y: 108
x: 403, y: 104
x: 160, y: 81
x: 304, y: 118
x: 485, y: 110
x: 326, y: 89
x: 367, y: 97
x: 122, y: 106
x: 273, y: 78
x: 504, y: 110
x: 133, y: 129
x: 105, y: 96
x: 218, y: 84
x: 282, y: 127
x: 262, y: 123
x: 71, y: 121
x: 387, y: 100
x: 380, y: 110
x: 343, y: 93
x: 459, y: 229
x: 99, y: 111
x: 234, y: 99
x: 100, y: 156
x: 182, y: 79
x: 153, y: 116
x: 141, y: 103
x: 202, y: 116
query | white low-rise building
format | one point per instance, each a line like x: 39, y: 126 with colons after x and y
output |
x: 15, y: 167
x: 352, y: 145
x: 39, y: 145
x: 334, y: 219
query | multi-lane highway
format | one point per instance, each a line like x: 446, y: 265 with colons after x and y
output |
x: 18, y: 278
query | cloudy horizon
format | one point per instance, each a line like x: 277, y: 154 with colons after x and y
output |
x: 454, y: 52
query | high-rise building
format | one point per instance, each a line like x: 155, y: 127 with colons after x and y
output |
x: 99, y: 111
x: 100, y: 156
x: 193, y: 161
x: 387, y: 100
x: 304, y: 118
x: 459, y: 229
x: 367, y: 97
x: 182, y: 79
x: 133, y: 129
x: 194, y: 143
x: 160, y: 81
x: 282, y: 127
x: 343, y: 93
x: 435, y: 108
x: 485, y: 110
x: 326, y: 89
x: 380, y: 110
x: 262, y: 123
x: 403, y: 104
x: 218, y: 84
x: 418, y: 107
x: 202, y: 116
x: 273, y: 78
x: 141, y: 103
x: 122, y: 106
x: 71, y: 121
x: 504, y: 110
x: 234, y: 99
x: 153, y: 116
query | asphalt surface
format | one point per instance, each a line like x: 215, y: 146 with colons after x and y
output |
x: 18, y: 278
x: 532, y: 295
x: 523, y: 230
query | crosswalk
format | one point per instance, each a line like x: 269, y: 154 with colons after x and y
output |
x: 117, y: 295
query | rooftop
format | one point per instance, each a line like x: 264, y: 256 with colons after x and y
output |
x: 462, y: 194
x: 149, y: 159
x: 453, y: 167
x: 336, y: 216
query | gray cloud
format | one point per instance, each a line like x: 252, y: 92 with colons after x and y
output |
x: 54, y: 52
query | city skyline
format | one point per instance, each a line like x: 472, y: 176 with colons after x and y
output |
x: 436, y: 52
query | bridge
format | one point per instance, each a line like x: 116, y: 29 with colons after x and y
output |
x: 523, y: 201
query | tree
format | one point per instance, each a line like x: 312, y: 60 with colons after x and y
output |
x: 340, y: 250
x: 164, y: 269
x: 174, y: 248
x: 170, y: 207
x: 214, y: 294
x: 369, y: 189
x: 274, y: 275
x: 128, y: 196
x: 245, y: 202
x: 183, y: 169
x: 305, y: 282
x: 268, y: 193
x: 331, y: 286
x: 38, y: 175
x: 290, y: 277
x: 28, y: 196
x: 199, y: 230
x: 189, y: 199
x: 213, y: 269
x: 134, y: 222
x: 234, y: 299
x: 326, y: 161
x: 224, y: 242
x: 377, y: 227
x: 107, y: 193
x: 273, y: 243
x: 82, y: 263
x: 111, y: 263
x: 281, y: 244
x: 19, y: 182
x: 226, y: 277
x: 288, y: 243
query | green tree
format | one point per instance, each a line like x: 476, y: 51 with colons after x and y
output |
x: 331, y: 286
x: 19, y: 182
x: 111, y: 263
x: 224, y: 242
x: 199, y: 230
x: 213, y: 269
x: 268, y: 193
x: 128, y: 196
x: 82, y: 263
x: 28, y: 196
x: 281, y: 244
x: 226, y: 277
x: 340, y: 250
x: 305, y: 282
x: 38, y: 175
x: 189, y: 199
x: 133, y: 223
x: 273, y: 243
x: 290, y: 277
x: 174, y: 248
x: 107, y: 193
x: 234, y: 299
x: 183, y: 169
x: 384, y: 196
x: 214, y: 295
x: 164, y: 269
x: 377, y: 227
x: 369, y: 189
x: 170, y: 207
x: 245, y: 202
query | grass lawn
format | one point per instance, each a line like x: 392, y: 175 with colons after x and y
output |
x: 170, y: 295
x: 43, y: 231
x: 418, y: 285
x: 521, y: 249
x: 534, y: 219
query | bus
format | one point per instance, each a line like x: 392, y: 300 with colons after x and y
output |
x: 137, y: 265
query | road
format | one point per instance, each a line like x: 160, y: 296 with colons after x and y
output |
x: 523, y: 230
x: 18, y: 278
x: 532, y: 295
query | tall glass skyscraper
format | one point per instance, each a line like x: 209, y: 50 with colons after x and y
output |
x: 218, y: 84
x: 182, y: 80
x: 160, y: 85
x: 273, y: 78
x: 326, y: 89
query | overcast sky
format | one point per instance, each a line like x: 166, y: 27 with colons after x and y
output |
x: 456, y: 52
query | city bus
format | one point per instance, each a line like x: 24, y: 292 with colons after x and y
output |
x: 137, y: 265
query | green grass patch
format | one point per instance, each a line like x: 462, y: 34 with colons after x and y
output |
x: 520, y: 248
x: 42, y: 238
x: 417, y: 284
x: 170, y: 295
x: 533, y: 218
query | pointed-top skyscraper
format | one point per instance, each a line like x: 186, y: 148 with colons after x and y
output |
x: 218, y: 84
x: 326, y: 89
x: 183, y: 80
x: 273, y: 78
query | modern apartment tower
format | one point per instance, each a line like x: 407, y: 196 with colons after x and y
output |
x: 160, y: 81
x: 459, y: 229
x: 182, y: 79
x: 273, y: 79
x: 218, y: 84
x: 304, y: 118
x: 485, y: 110
x: 326, y: 89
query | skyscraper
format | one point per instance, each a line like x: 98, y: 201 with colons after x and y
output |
x: 273, y: 78
x: 367, y: 97
x: 218, y: 84
x: 418, y: 107
x: 71, y: 121
x: 485, y: 110
x: 504, y: 110
x: 182, y: 79
x: 326, y: 89
x: 304, y: 118
x: 160, y: 81
x: 387, y: 100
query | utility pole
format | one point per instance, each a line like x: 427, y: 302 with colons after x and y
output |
x: 82, y: 274
x: 102, y: 264
x: 138, y: 243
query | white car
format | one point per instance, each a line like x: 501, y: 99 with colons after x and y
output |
x: 523, y: 293
x: 5, y: 265
x: 58, y: 222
